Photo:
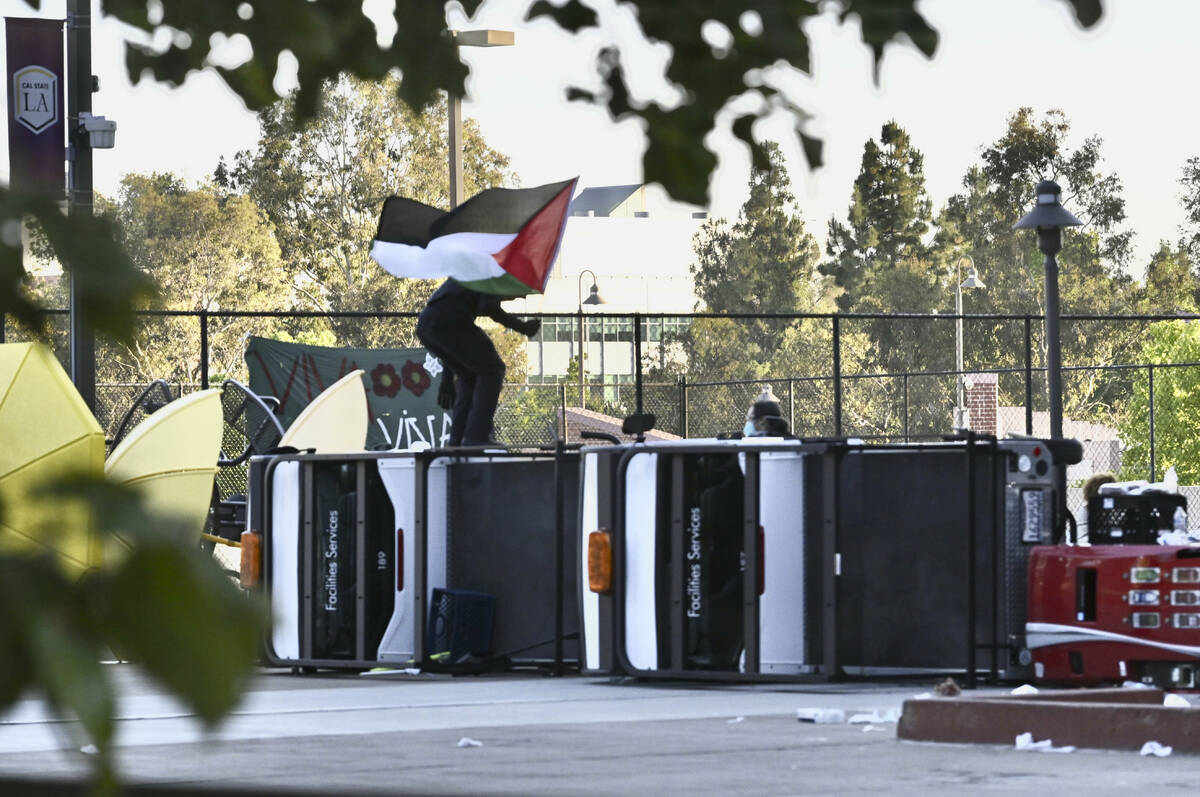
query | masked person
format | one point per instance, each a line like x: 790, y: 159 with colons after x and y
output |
x: 446, y: 327
x: 765, y: 417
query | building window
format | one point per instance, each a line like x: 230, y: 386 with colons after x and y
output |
x: 656, y: 328
x: 555, y: 330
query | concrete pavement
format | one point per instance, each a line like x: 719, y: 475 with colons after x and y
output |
x: 400, y: 735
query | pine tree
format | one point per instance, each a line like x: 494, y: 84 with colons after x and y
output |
x: 886, y: 222
x: 766, y: 260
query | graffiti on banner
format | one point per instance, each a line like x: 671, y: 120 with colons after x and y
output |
x: 401, y: 385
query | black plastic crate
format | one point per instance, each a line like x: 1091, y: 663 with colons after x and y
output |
x: 460, y: 624
x: 1131, y: 519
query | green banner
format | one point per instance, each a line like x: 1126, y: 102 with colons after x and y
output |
x: 401, y: 384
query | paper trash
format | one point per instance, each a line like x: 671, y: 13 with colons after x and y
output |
x: 821, y: 716
x: 466, y: 741
x: 1156, y: 749
x: 875, y: 717
x: 1026, y: 743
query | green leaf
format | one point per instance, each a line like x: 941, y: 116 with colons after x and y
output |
x: 329, y: 38
x: 14, y: 298
x: 105, y: 281
x: 885, y: 20
x: 326, y: 37
x: 671, y: 158
x: 16, y: 670
x: 812, y: 149
x: 70, y: 671
x: 180, y: 618
x: 743, y: 128
x: 612, y: 73
x: 1087, y: 12
x: 572, y: 16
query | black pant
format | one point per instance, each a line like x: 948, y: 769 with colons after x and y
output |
x: 467, y: 352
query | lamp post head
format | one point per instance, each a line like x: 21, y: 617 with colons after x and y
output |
x: 1048, y: 212
x: 1048, y: 217
x: 594, y: 296
x: 972, y: 280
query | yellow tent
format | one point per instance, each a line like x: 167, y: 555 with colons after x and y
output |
x: 335, y: 421
x: 46, y: 431
x: 171, y: 457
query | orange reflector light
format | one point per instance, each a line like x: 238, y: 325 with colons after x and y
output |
x: 600, y: 562
x: 399, y: 560
x: 251, y: 567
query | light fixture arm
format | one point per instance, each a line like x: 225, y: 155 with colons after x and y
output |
x: 579, y: 307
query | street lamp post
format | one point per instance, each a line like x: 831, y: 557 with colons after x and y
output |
x: 1049, y: 217
x: 466, y: 38
x: 962, y: 418
x: 79, y: 197
x: 593, y: 299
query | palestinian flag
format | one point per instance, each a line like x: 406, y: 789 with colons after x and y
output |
x: 502, y: 240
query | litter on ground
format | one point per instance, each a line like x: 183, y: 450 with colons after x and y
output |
x: 1025, y: 743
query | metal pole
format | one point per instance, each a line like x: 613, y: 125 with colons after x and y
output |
x: 971, y: 567
x: 830, y: 559
x: 792, y: 404
x: 1028, y: 375
x: 993, y: 462
x: 454, y: 143
x: 562, y: 409
x: 603, y: 332
x: 582, y: 345
x: 960, y: 402
x: 683, y: 407
x: 581, y: 354
x: 837, y: 376
x: 559, y: 532
x: 1153, y: 464
x: 906, y: 407
x: 420, y: 555
x: 1053, y: 351
x: 637, y: 351
x: 454, y: 139
x: 752, y: 574
x: 204, y: 350
x: 79, y: 197
x: 1050, y: 243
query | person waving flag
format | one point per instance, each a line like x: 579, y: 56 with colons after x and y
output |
x: 501, y: 241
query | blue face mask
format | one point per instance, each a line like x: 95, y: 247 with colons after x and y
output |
x: 748, y: 430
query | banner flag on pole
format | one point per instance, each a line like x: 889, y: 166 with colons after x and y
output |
x: 36, y: 115
x: 502, y: 240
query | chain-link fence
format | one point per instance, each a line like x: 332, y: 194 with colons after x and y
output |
x: 876, y: 377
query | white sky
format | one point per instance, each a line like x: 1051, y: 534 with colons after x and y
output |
x: 1129, y: 81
